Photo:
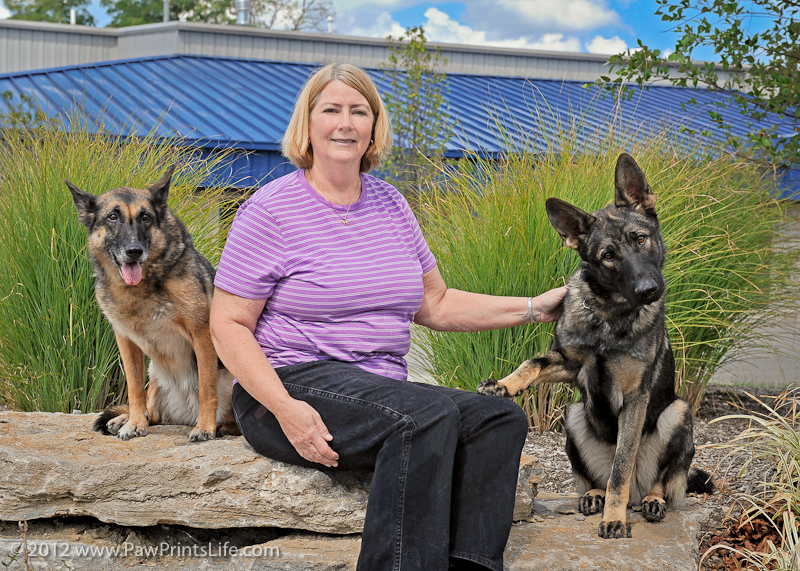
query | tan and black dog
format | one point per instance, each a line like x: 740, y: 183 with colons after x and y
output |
x: 630, y: 438
x: 155, y: 288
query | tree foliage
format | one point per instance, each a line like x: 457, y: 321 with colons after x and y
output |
x: 295, y: 15
x: 758, y: 46
x: 279, y: 14
x: 56, y: 11
x: 418, y: 108
x: 137, y: 12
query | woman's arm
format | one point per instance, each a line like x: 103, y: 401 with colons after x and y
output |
x: 445, y: 309
x: 233, y: 321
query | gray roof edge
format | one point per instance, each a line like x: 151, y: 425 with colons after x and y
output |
x: 358, y: 40
x: 292, y: 35
x: 53, y: 27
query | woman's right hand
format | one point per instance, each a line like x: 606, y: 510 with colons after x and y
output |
x: 304, y: 428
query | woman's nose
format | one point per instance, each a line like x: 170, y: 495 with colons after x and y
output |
x: 345, y: 122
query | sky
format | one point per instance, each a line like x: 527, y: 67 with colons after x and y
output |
x: 587, y: 26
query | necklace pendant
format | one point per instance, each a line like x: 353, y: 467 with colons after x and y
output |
x: 345, y: 222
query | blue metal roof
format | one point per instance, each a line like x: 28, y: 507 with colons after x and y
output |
x: 213, y: 102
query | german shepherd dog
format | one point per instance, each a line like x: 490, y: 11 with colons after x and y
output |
x: 155, y: 288
x: 630, y: 438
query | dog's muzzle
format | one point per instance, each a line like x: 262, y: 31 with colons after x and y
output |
x: 647, y: 290
x: 131, y: 268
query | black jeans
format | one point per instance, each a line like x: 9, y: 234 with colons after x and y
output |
x: 445, y: 461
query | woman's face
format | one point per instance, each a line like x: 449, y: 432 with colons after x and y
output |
x: 340, y: 125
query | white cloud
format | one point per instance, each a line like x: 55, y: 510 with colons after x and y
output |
x: 4, y: 13
x: 564, y: 14
x: 380, y: 26
x: 606, y: 46
x: 550, y: 25
x: 439, y: 27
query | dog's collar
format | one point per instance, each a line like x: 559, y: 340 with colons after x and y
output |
x: 595, y: 309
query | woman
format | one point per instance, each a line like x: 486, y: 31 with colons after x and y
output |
x: 322, y: 273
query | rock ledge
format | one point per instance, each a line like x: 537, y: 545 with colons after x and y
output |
x: 53, y: 465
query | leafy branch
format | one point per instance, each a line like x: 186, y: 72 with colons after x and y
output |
x: 416, y: 102
x: 757, y: 44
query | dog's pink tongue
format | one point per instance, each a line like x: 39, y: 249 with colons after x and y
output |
x: 132, y: 273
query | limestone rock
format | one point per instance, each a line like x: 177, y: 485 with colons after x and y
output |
x: 53, y: 464
x: 527, y: 487
x: 554, y: 542
x: 563, y: 542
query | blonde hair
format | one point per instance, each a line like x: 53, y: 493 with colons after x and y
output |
x: 296, y: 145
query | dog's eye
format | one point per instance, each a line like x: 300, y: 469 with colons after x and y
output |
x: 113, y: 217
x: 641, y: 238
x: 608, y: 255
x: 145, y: 218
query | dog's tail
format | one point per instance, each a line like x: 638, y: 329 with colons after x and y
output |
x: 101, y: 424
x: 699, y: 482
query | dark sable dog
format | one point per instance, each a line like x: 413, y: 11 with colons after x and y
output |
x: 155, y: 288
x: 630, y: 439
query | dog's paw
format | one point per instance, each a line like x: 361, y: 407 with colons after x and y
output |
x: 591, y: 502
x: 492, y: 388
x: 614, y: 530
x: 114, y: 425
x: 654, y: 509
x: 132, y: 430
x: 228, y: 429
x: 201, y: 434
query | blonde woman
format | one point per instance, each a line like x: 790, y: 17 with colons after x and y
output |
x: 323, y: 271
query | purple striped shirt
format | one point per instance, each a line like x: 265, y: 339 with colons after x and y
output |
x: 333, y: 291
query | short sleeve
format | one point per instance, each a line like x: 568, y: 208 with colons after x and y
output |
x: 252, y: 260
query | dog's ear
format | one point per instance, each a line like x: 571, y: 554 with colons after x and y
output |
x: 160, y: 190
x: 631, y: 188
x: 85, y: 203
x: 569, y: 221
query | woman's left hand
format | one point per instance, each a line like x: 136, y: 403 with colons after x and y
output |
x: 548, y: 306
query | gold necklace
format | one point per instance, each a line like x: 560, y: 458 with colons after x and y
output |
x: 344, y: 220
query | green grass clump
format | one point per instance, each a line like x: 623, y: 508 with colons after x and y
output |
x: 486, y: 223
x: 57, y: 352
x: 773, y: 436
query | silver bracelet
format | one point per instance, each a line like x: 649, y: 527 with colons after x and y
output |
x: 530, y: 316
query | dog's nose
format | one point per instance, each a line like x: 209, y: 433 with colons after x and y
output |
x: 646, y: 289
x: 134, y: 251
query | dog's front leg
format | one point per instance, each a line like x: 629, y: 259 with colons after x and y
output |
x: 153, y: 403
x: 631, y: 421
x: 133, y: 363
x: 208, y: 371
x: 553, y: 367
